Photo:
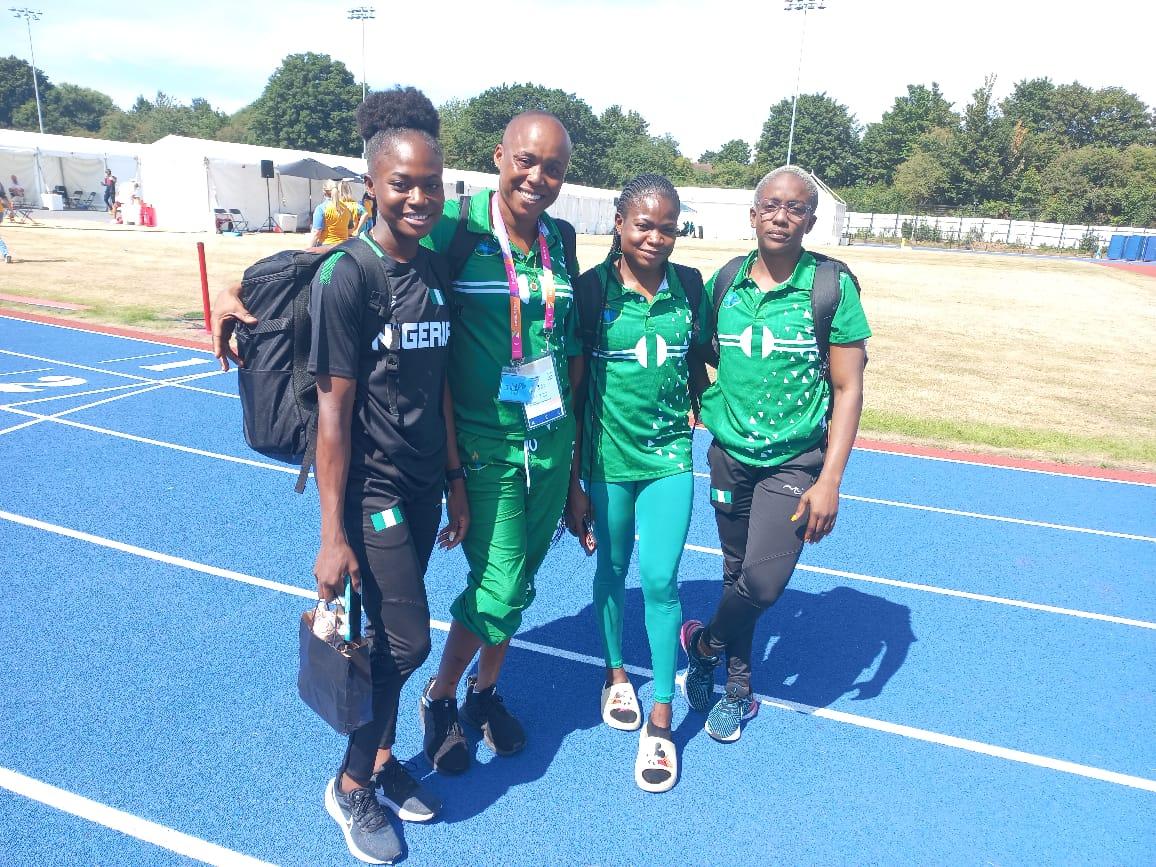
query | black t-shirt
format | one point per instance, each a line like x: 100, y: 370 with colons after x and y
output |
x: 398, y: 443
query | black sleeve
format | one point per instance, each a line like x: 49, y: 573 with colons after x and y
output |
x: 336, y: 307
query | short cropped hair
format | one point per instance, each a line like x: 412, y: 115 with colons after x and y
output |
x: 800, y: 173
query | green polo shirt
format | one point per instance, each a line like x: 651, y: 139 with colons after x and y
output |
x: 769, y: 402
x: 480, y: 347
x: 636, y: 425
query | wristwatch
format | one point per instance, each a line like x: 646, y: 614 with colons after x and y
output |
x: 455, y: 474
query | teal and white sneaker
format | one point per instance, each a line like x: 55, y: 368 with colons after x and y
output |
x: 725, y: 721
x: 698, y: 685
x: 368, y: 832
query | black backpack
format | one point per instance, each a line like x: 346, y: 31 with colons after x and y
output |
x: 825, y: 297
x: 278, y: 393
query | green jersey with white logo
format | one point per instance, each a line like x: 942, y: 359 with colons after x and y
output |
x: 769, y: 402
x: 481, y: 344
x: 636, y: 425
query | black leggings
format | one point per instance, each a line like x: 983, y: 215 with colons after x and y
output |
x: 393, y: 561
x: 760, y: 547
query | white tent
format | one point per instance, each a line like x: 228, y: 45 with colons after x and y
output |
x: 726, y: 214
x: 186, y: 178
x: 44, y: 162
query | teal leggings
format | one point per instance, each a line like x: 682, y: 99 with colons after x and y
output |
x: 661, y: 509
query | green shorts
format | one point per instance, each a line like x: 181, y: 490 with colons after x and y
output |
x: 511, y: 524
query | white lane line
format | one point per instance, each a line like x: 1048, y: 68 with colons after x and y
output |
x: 93, y: 332
x: 960, y: 594
x: 125, y: 823
x: 179, y: 382
x: 72, y: 394
x: 1065, y: 527
x: 25, y: 372
x: 281, y: 468
x: 978, y: 463
x: 156, y: 555
x: 173, y: 365
x: 137, y: 357
x: 1068, y: 528
x: 928, y: 736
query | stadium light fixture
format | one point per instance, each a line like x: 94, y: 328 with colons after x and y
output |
x: 362, y: 14
x: 803, y: 6
x: 30, y: 15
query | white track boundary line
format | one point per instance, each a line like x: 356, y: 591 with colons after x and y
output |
x: 92, y: 331
x: 959, y: 594
x: 145, y: 440
x: 925, y: 735
x: 978, y: 463
x: 125, y: 823
x: 1067, y: 528
x: 26, y: 372
x: 176, y: 382
x: 138, y: 357
x: 959, y: 512
x: 872, y: 449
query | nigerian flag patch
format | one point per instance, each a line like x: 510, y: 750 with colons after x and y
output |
x: 436, y: 296
x: 718, y: 496
x: 388, y: 518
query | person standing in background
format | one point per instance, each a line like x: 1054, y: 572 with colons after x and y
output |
x: 109, y: 183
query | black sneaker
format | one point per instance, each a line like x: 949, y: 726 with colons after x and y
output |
x: 368, y: 833
x: 485, y: 711
x: 445, y: 743
x: 397, y: 790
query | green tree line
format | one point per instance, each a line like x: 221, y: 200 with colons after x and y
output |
x: 1060, y: 152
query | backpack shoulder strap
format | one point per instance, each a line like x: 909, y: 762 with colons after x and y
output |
x: 569, y: 247
x: 692, y: 286
x: 722, y: 282
x: 826, y: 293
x: 589, y: 299
x: 380, y: 299
x: 461, y: 245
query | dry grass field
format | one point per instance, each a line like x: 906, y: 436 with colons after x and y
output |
x: 1028, y: 356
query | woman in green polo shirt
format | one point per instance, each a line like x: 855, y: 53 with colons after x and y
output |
x: 510, y: 367
x: 634, y: 452
x: 784, y: 410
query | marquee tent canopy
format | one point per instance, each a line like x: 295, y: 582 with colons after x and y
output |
x: 44, y: 162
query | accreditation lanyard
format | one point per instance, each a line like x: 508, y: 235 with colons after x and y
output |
x: 512, y: 279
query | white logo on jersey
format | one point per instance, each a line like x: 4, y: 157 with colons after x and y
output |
x: 660, y: 351
x: 745, y: 342
x: 413, y: 335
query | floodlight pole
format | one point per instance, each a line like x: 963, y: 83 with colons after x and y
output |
x: 30, y: 15
x: 362, y: 14
x: 796, y: 6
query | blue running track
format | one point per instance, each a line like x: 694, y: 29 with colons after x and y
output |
x: 963, y: 674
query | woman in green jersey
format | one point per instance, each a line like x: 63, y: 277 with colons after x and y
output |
x: 634, y: 451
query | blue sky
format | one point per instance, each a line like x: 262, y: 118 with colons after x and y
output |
x: 705, y: 72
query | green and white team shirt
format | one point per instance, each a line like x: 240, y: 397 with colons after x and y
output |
x: 769, y: 402
x: 636, y: 425
x: 481, y: 344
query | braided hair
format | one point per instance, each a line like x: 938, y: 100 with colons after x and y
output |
x: 639, y: 187
x: 387, y: 115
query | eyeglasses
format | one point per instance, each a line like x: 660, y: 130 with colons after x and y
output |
x: 795, y: 210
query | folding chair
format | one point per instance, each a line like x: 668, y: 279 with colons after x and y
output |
x: 89, y: 203
x: 239, y: 221
x: 223, y: 220
x: 77, y: 195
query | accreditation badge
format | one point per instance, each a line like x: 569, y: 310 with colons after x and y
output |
x: 534, y: 385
